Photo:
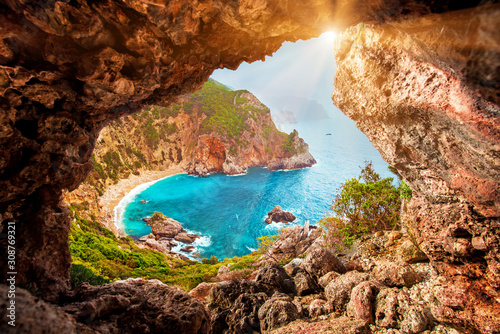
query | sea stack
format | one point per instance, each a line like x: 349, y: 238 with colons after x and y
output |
x: 277, y: 215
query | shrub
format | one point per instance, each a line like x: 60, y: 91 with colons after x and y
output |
x: 79, y: 274
x: 364, y: 204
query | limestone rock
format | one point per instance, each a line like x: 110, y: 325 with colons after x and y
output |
x: 395, y: 274
x: 362, y: 301
x: 243, y: 317
x: 202, y: 290
x: 186, y: 238
x: 292, y: 266
x: 138, y: 305
x: 334, y: 325
x: 187, y: 249
x: 305, y: 284
x: 291, y: 243
x: 386, y: 308
x: 276, y: 278
x: 338, y: 291
x: 277, y: 312
x: 319, y: 307
x: 410, y: 253
x: 320, y: 262
x: 154, y: 244
x: 32, y: 315
x: 327, y: 278
x: 424, y: 105
x: 162, y: 226
x: 279, y: 216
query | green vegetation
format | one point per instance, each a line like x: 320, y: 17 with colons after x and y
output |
x: 290, y: 144
x: 99, y: 257
x: 364, y: 204
x: 265, y: 242
x: 226, y: 110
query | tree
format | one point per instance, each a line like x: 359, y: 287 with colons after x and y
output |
x: 364, y: 204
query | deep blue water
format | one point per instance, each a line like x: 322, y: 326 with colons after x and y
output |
x: 229, y: 211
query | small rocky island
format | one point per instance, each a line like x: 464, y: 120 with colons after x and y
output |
x: 165, y: 231
x: 277, y: 215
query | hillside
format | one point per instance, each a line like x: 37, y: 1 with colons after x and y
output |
x: 213, y: 130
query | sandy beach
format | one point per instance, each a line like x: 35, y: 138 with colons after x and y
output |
x: 115, y: 193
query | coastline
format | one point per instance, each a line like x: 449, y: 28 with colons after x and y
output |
x: 110, y: 200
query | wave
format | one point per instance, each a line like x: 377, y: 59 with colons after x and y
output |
x: 202, y: 242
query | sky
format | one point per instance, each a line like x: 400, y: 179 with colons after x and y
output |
x: 301, y: 69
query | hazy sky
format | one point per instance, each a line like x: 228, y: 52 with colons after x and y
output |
x: 303, y: 69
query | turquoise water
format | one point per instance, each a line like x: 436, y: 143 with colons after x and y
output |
x: 229, y: 211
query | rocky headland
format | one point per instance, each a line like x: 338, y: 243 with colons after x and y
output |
x: 165, y: 231
x: 420, y: 78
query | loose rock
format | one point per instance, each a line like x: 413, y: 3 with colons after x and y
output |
x: 338, y: 291
x: 276, y: 312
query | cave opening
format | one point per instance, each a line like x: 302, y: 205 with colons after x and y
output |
x: 177, y: 46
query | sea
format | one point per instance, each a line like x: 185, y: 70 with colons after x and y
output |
x: 228, y: 212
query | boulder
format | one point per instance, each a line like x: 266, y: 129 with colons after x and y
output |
x: 146, y: 237
x: 187, y: 249
x: 386, y: 304
x: 362, y: 301
x: 277, y: 312
x: 305, y: 284
x: 414, y: 320
x: 279, y: 216
x: 320, y: 262
x: 163, y: 226
x: 32, y: 315
x: 353, y: 265
x: 187, y: 238
x: 137, y: 306
x: 341, y: 325
x: 410, y: 253
x: 338, y: 291
x: 276, y: 278
x: 156, y: 245
x: 318, y: 307
x: 395, y: 274
x: 202, y: 290
x: 326, y: 279
x: 243, y: 317
x: 290, y: 268
x: 224, y: 295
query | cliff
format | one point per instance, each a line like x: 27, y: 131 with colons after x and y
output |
x: 428, y: 101
x: 214, y: 130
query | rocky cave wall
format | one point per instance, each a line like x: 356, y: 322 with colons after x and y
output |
x: 69, y: 67
x: 426, y: 93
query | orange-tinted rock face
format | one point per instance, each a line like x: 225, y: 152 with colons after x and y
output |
x: 210, y: 155
x: 409, y: 88
x: 68, y: 68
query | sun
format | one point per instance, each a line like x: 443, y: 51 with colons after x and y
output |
x: 329, y: 36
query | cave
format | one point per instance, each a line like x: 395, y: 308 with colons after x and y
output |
x: 430, y: 104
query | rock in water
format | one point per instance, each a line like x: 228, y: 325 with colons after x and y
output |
x: 279, y: 216
x: 163, y: 226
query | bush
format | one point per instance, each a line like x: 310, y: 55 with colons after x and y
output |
x: 364, y: 204
x: 79, y: 274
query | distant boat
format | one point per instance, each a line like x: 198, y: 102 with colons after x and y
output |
x: 328, y: 134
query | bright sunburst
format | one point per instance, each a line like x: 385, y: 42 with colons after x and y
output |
x: 329, y: 36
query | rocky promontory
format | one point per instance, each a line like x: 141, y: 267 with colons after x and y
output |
x: 165, y: 231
